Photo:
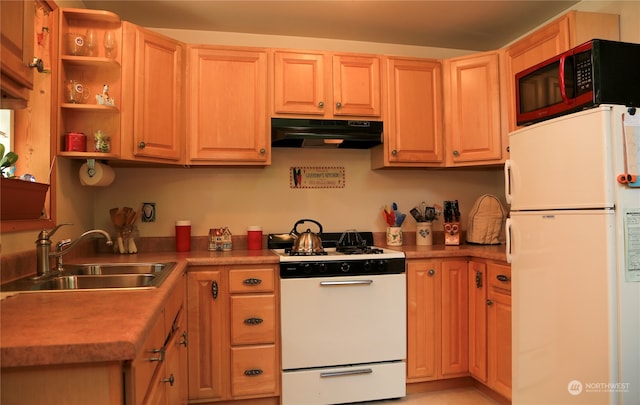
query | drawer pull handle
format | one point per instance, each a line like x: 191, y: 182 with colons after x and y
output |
x: 253, y: 372
x: 160, y: 353
x: 253, y: 321
x: 252, y: 281
x: 214, y: 289
x: 184, y: 340
x: 478, y: 279
x: 346, y: 282
x: 346, y: 373
x: 170, y: 380
x: 502, y: 277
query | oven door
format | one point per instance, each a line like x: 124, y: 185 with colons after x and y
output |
x: 330, y: 321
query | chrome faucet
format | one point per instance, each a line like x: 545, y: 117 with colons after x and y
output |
x: 43, y: 248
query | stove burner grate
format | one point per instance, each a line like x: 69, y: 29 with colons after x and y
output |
x: 291, y: 252
x: 358, y: 250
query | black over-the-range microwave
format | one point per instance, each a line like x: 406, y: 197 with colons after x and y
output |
x: 596, y: 72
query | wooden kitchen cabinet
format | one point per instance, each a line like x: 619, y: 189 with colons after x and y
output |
x: 233, y: 333
x: 413, y: 135
x: 93, y: 72
x: 436, y: 319
x: 564, y: 33
x: 326, y: 85
x: 499, y: 328
x: 478, y: 320
x: 158, y: 375
x: 152, y: 96
x: 227, y: 119
x: 475, y: 126
x: 17, y: 51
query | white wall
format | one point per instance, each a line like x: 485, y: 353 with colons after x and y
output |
x: 239, y: 197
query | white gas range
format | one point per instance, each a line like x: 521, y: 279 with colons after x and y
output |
x: 343, y: 322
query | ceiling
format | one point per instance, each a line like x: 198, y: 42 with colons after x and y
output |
x: 470, y: 25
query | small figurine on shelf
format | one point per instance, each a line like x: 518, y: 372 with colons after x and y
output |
x: 104, y: 98
x: 102, y: 142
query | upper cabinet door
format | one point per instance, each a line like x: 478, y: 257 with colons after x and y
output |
x: 227, y: 99
x: 157, y: 121
x: 413, y: 125
x: 326, y: 85
x: 473, y: 109
x: 16, y: 51
x: 299, y: 83
x: 356, y: 85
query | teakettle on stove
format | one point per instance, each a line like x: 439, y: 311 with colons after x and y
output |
x: 306, y: 242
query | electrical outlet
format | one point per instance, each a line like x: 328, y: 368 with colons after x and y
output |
x: 148, y: 212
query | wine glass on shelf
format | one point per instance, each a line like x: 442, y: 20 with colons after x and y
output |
x: 91, y: 39
x: 110, y: 44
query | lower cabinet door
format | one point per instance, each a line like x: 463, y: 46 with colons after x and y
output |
x: 254, y: 370
x: 356, y: 383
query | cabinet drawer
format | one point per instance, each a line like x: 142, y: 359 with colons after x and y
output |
x: 254, y: 370
x: 251, y: 280
x: 150, y: 357
x: 253, y: 319
x: 344, y: 384
x: 499, y: 276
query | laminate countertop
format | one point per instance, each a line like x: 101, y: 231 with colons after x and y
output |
x: 75, y: 327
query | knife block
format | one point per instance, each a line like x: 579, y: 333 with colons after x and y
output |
x: 452, y: 233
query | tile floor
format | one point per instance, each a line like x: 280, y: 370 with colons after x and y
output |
x: 457, y: 396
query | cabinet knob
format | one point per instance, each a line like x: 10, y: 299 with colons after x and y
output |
x: 141, y: 145
x: 431, y: 272
x: 338, y: 105
x: 456, y: 153
x: 263, y: 151
x: 489, y: 302
x: 170, y: 380
x: 38, y: 64
x: 394, y: 152
x: 321, y: 104
x: 508, y: 149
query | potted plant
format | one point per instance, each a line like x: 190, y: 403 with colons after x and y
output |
x: 19, y: 199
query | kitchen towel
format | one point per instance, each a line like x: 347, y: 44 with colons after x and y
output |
x: 103, y: 175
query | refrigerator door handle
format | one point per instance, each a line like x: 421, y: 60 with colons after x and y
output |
x: 508, y: 241
x: 507, y: 180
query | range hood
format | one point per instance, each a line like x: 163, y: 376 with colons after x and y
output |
x: 310, y: 133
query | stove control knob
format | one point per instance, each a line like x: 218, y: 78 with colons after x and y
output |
x: 382, y: 265
x: 306, y: 268
x: 345, y: 267
x: 368, y: 265
x: 321, y: 267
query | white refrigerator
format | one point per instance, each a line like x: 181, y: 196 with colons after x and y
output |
x: 573, y: 240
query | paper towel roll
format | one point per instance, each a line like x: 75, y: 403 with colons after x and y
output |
x: 103, y: 176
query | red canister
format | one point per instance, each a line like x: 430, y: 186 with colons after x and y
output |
x: 183, y: 236
x: 254, y: 238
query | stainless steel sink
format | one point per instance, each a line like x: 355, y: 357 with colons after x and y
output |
x: 98, y: 282
x: 115, y: 268
x: 97, y: 276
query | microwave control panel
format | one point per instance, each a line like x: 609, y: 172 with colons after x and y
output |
x: 584, y: 74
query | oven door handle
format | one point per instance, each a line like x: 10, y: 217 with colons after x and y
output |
x: 345, y: 373
x: 345, y: 282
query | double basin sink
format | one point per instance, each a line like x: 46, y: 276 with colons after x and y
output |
x: 96, y: 276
